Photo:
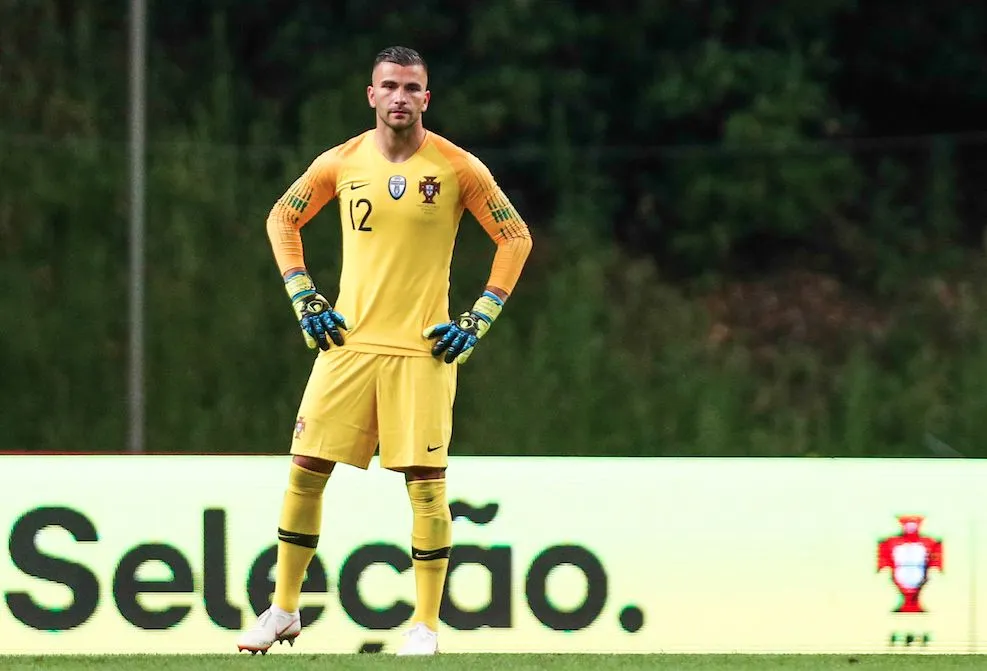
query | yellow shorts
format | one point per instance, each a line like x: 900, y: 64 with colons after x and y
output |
x: 355, y: 402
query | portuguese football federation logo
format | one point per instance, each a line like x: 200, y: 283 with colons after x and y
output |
x: 910, y: 556
x: 429, y: 188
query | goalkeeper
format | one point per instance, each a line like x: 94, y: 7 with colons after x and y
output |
x: 388, y: 352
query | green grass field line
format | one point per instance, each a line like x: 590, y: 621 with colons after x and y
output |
x: 492, y: 662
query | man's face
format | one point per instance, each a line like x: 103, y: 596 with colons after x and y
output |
x: 399, y: 94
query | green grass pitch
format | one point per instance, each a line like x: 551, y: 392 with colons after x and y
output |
x: 492, y: 662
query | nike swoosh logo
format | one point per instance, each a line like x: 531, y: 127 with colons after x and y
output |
x: 433, y: 449
x: 356, y: 186
x: 429, y: 555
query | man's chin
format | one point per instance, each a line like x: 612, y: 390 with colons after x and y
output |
x: 399, y: 125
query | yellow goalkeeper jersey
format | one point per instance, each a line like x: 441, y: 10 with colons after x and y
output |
x: 399, y: 223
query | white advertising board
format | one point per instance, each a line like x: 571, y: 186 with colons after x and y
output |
x: 174, y: 554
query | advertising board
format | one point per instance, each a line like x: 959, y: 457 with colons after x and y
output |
x: 175, y: 554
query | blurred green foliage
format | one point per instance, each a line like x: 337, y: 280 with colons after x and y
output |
x: 664, y: 155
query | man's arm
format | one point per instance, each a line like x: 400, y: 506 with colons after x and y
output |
x: 302, y: 201
x: 495, y: 213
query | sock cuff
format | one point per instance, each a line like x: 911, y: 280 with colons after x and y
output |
x: 305, y: 481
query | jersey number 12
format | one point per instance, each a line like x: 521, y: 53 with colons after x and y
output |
x: 358, y: 210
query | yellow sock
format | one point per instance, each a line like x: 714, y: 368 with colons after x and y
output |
x: 298, y: 533
x: 431, y: 540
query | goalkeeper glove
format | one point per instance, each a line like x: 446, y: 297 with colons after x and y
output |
x: 457, y: 338
x: 319, y: 322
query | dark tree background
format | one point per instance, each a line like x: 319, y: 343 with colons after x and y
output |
x: 765, y: 219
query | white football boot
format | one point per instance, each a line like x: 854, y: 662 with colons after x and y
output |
x: 273, y: 625
x: 420, y: 640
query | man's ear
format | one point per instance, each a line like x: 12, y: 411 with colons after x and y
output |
x: 370, y: 97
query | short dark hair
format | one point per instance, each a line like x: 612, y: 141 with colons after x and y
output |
x: 400, y: 56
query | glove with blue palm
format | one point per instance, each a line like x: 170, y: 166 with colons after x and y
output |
x: 457, y: 338
x: 319, y: 322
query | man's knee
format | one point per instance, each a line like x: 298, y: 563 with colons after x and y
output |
x: 313, y: 464
x: 413, y: 473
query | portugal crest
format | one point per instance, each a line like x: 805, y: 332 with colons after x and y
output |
x: 910, y: 556
x: 396, y: 186
x: 429, y: 188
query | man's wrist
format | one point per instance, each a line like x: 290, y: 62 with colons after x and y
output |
x: 488, y: 306
x: 497, y: 291
x: 298, y: 284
